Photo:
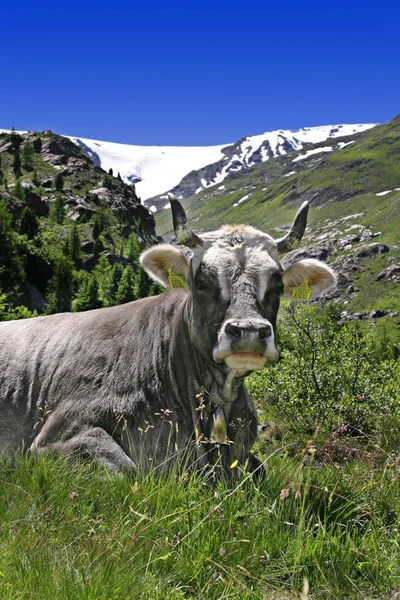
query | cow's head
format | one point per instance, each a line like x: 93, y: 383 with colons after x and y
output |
x: 234, y: 282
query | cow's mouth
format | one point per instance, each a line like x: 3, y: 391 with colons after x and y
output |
x: 248, y: 361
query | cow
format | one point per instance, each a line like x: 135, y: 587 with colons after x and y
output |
x: 140, y: 387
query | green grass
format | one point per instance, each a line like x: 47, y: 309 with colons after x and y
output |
x: 70, y: 532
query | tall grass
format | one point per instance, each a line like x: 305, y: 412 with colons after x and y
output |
x: 70, y: 532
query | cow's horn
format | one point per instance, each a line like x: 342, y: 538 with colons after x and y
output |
x: 293, y: 238
x: 183, y: 234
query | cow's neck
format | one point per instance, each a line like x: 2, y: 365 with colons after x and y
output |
x: 218, y: 385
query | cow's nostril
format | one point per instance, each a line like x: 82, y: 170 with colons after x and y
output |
x: 233, y: 330
x: 264, y: 333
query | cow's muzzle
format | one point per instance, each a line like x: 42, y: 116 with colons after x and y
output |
x: 246, y: 344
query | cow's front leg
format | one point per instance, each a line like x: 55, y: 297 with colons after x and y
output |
x: 92, y: 444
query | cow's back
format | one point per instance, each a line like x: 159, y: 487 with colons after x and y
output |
x: 77, y: 359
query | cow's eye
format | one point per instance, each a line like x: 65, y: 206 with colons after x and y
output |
x: 201, y: 285
x: 275, y: 291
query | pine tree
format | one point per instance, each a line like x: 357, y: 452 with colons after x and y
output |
x: 73, y: 244
x: 16, y: 140
x: 97, y: 227
x: 108, y: 183
x: 87, y: 296
x: 133, y: 250
x: 57, y: 209
x: 11, y: 264
x: 103, y: 274
x: 27, y: 155
x: 18, y: 190
x: 98, y: 246
x: 59, y: 182
x: 61, y: 285
x: 110, y: 172
x: 17, y: 164
x: 29, y: 223
x: 126, y: 287
x: 116, y: 276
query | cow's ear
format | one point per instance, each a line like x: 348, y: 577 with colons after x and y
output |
x: 165, y: 264
x: 307, y: 273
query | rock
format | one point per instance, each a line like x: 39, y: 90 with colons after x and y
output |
x: 374, y: 314
x: 27, y: 183
x: 87, y: 247
x: 390, y: 273
x: 14, y: 205
x: 102, y: 192
x: 366, y: 235
x: 36, y: 203
x: 345, y: 243
x: 371, y: 249
x: 377, y: 314
x: 89, y: 263
x: 5, y: 195
x: 319, y: 252
x: 32, y: 298
x: 73, y: 215
x: 114, y: 259
x: 5, y: 145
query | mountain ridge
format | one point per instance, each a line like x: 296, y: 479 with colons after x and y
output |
x: 186, y: 170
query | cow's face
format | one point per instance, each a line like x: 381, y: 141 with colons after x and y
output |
x: 235, y: 282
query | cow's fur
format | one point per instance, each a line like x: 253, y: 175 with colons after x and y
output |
x: 139, y: 385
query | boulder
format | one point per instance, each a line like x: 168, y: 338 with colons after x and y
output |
x: 371, y: 249
x: 390, y: 273
x: 36, y: 203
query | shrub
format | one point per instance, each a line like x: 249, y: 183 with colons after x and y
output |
x: 327, y: 377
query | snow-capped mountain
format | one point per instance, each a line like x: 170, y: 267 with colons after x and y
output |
x: 153, y: 169
x: 186, y: 170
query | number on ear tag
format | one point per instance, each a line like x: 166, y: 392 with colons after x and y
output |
x: 302, y: 292
x: 175, y: 281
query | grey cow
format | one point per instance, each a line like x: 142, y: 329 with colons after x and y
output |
x: 139, y: 386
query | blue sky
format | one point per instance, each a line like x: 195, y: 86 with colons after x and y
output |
x: 209, y: 74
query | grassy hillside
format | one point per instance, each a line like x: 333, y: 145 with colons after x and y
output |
x: 343, y: 187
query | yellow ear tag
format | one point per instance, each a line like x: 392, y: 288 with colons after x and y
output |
x: 175, y: 281
x: 302, y: 292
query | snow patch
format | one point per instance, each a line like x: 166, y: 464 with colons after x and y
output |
x: 311, y: 152
x: 344, y: 144
x: 159, y: 168
x: 291, y: 173
x: 242, y: 200
x: 383, y: 193
x: 153, y: 209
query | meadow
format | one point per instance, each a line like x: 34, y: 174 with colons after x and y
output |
x: 322, y: 523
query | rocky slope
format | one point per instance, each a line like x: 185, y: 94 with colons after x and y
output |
x: 252, y: 150
x: 99, y: 216
x: 83, y: 187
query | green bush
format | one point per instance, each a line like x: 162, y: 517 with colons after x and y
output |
x: 327, y: 377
